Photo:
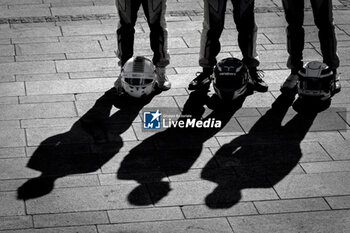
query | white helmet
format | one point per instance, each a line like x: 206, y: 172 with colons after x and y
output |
x: 230, y: 78
x: 315, y: 80
x: 138, y: 76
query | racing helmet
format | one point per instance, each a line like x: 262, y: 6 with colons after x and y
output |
x: 138, y: 76
x: 315, y: 80
x: 231, y: 78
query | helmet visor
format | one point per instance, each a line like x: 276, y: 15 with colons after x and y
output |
x: 138, y: 79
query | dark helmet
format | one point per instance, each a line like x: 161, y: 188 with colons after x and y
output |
x: 231, y: 78
x: 315, y: 80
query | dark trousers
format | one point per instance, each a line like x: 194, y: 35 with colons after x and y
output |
x: 155, y: 14
x: 323, y: 17
x: 213, y: 25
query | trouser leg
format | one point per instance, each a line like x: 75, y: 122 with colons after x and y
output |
x: 247, y: 31
x: 213, y: 25
x: 323, y: 15
x: 127, y: 11
x: 155, y: 14
x: 294, y: 13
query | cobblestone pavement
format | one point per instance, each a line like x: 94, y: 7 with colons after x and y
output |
x: 269, y: 168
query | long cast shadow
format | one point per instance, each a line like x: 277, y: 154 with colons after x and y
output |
x: 176, y: 150
x: 261, y: 158
x: 91, y: 142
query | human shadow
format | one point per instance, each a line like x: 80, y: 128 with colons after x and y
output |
x: 91, y: 142
x: 261, y: 158
x: 174, y: 150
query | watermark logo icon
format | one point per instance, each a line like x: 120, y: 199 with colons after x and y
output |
x: 152, y: 120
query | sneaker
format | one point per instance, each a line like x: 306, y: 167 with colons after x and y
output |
x: 203, y: 79
x: 162, y: 80
x: 290, y: 85
x: 118, y: 86
x: 256, y: 77
x: 335, y: 85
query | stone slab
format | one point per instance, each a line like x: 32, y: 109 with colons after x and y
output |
x: 78, y: 229
x: 203, y: 211
x: 32, y: 111
x: 31, y: 32
x: 69, y: 86
x: 46, y: 98
x: 322, y: 167
x: 12, y: 137
x: 338, y: 150
x: 83, y: 65
x: 292, y: 205
x: 10, y: 206
x: 145, y: 215
x: 15, y: 222
x: 70, y: 219
x: 12, y: 152
x: 40, y: 67
x: 214, y: 225
x: 16, y: 168
x: 322, y: 222
x: 341, y: 202
x: 314, y: 185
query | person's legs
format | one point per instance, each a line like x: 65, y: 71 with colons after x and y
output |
x: 323, y: 15
x: 243, y: 14
x: 155, y: 14
x: 294, y: 14
x: 213, y: 25
x: 127, y: 11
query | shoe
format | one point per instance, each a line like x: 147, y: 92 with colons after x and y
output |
x: 162, y: 80
x: 203, y: 79
x: 256, y: 77
x: 335, y: 85
x: 118, y: 86
x: 290, y: 85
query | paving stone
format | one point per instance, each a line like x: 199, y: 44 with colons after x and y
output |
x: 15, y: 168
x: 9, y: 100
x: 27, y: 68
x: 86, y: 55
x: 84, y: 30
x: 258, y: 100
x: 82, y: 38
x: 144, y: 177
x: 338, y: 150
x: 10, y: 206
x: 70, y: 219
x: 94, y: 74
x: 25, y: 12
x: 32, y: 111
x: 12, y: 152
x: 54, y: 122
x: 46, y: 98
x: 42, y: 57
x: 30, y: 32
x: 84, y: 10
x: 320, y: 167
x: 7, y: 78
x: 78, y: 229
x: 293, y: 205
x: 30, y: 40
x: 15, y: 222
x: 8, y: 59
x: 323, y: 136
x: 146, y: 214
x: 57, y: 48
x: 68, y: 86
x: 10, y: 137
x: 42, y: 77
x: 314, y: 185
x: 203, y: 211
x: 312, y: 151
x: 86, y: 65
x: 335, y: 221
x: 85, y: 199
x: 179, y: 226
x: 7, y: 50
x: 88, y: 96
x: 11, y: 185
x: 342, y: 202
